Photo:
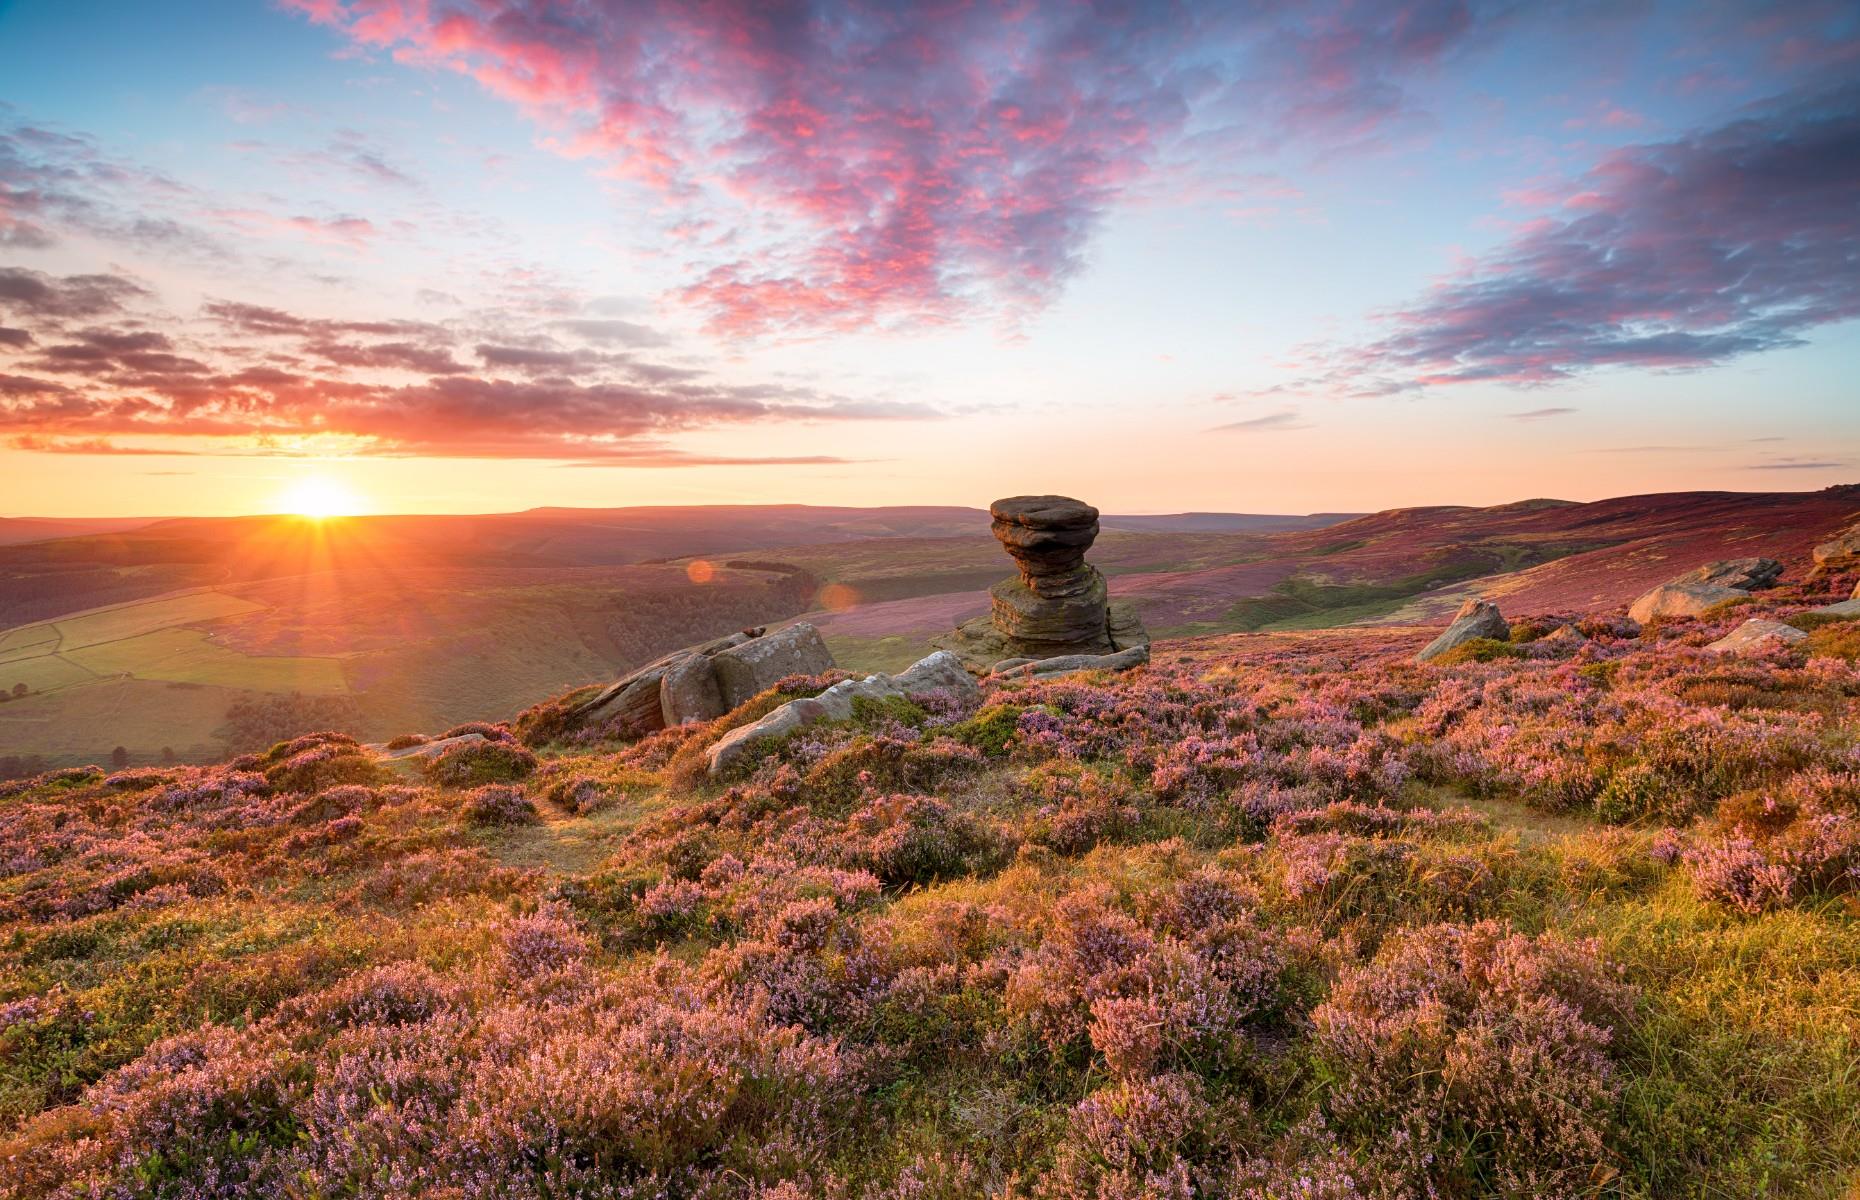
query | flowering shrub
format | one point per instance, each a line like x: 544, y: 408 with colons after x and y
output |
x: 1471, y: 1059
x: 1223, y: 926
x: 498, y: 804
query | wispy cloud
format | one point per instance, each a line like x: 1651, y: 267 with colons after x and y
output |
x: 1540, y: 414
x: 1278, y: 422
x: 1673, y: 255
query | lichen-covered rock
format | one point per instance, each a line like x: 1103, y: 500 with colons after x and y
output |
x: 758, y: 663
x: 1757, y: 634
x: 940, y: 672
x: 689, y: 691
x: 1476, y: 619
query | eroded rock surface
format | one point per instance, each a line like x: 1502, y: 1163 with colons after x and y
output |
x: 1840, y: 552
x: 1058, y: 604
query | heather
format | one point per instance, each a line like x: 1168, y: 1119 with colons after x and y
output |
x: 1273, y: 917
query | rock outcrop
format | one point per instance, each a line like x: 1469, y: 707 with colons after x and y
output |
x: 1058, y: 605
x: 1840, y: 552
x: 1842, y: 608
x: 1757, y: 634
x: 1068, y: 664
x: 940, y: 672
x: 699, y: 683
x: 1706, y: 587
x: 1476, y: 619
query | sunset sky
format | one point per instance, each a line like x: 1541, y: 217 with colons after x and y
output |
x: 480, y: 255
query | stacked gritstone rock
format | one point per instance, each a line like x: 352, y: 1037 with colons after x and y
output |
x: 1058, y: 604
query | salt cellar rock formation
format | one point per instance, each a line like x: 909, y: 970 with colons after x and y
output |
x: 1058, y: 604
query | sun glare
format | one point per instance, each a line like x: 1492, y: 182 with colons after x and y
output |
x: 318, y: 497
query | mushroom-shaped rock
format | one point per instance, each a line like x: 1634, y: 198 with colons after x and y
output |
x: 1057, y: 604
x: 1755, y: 635
x: 940, y: 672
x: 1476, y: 619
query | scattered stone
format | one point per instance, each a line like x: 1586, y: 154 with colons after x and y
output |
x: 424, y: 750
x: 1058, y: 605
x: 1068, y: 664
x: 1757, y: 634
x: 1840, y: 552
x: 1844, y: 608
x: 1476, y: 619
x: 702, y: 682
x: 758, y: 663
x: 1706, y: 587
x: 940, y: 672
x: 1560, y: 642
x: 1682, y: 600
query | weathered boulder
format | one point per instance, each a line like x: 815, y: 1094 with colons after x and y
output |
x: 1476, y: 619
x: 1745, y: 574
x: 1057, y: 604
x: 1757, y: 634
x: 1067, y: 664
x: 751, y: 666
x: 940, y: 672
x: 1706, y: 587
x: 1840, y: 552
x: 1682, y: 600
x: 1843, y: 608
x: 689, y: 691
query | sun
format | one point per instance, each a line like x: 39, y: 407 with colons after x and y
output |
x: 318, y: 497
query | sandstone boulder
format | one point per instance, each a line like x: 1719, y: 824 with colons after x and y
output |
x: 1706, y: 587
x: 1757, y: 634
x: 1476, y: 619
x: 1840, y: 552
x: 940, y: 672
x: 1843, y: 608
x: 1679, y: 599
x: 751, y: 666
x: 1745, y: 574
x: 689, y: 691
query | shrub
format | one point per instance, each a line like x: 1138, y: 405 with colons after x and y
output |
x: 1475, y: 1060
x: 1480, y: 650
x: 496, y: 804
x: 480, y: 762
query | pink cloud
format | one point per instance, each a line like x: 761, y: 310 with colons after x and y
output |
x: 908, y: 164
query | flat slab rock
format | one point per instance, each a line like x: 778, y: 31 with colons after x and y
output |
x: 1068, y: 664
x: 940, y: 672
x: 1757, y: 634
x: 1845, y: 608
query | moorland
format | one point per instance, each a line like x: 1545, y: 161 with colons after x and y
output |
x: 1285, y: 913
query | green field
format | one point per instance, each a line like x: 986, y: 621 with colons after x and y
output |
x: 141, y: 676
x: 189, y: 656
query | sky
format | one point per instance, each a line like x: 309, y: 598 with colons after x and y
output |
x: 485, y: 255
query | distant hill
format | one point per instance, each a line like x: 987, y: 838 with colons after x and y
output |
x: 197, y: 634
x: 15, y: 530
